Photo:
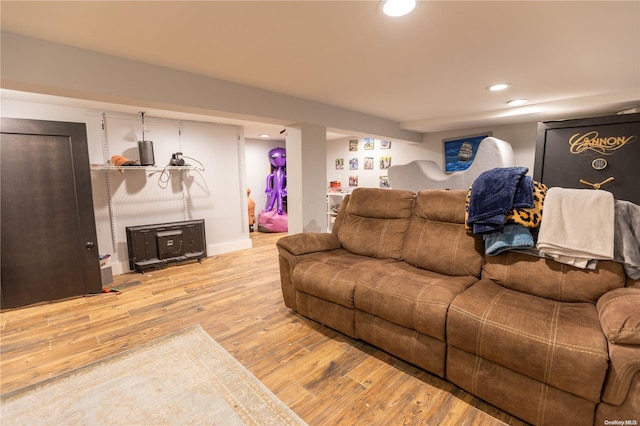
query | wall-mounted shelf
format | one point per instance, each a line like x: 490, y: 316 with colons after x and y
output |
x: 149, y: 169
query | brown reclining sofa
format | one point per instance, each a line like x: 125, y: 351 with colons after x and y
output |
x: 543, y: 341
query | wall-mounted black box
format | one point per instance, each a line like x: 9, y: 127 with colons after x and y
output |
x: 592, y: 150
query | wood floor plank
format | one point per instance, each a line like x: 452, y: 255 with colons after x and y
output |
x: 296, y: 395
x: 324, y: 405
x: 326, y: 377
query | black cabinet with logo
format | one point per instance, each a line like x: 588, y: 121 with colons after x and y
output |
x: 591, y: 153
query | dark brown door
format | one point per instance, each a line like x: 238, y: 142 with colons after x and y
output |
x: 48, y: 237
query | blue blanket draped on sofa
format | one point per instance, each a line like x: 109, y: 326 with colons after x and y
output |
x: 494, y: 194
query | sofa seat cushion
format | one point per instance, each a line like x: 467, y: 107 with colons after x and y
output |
x: 413, y: 298
x: 556, y: 343
x: 332, y: 275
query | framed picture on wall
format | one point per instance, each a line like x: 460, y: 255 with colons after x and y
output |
x: 384, y: 182
x: 369, y: 143
x: 368, y: 163
x: 353, y: 144
x: 353, y: 180
x: 353, y: 164
x: 339, y: 163
x: 385, y: 144
x: 459, y: 153
x: 385, y: 162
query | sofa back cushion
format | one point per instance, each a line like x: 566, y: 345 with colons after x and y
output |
x: 550, y: 279
x: 437, y: 240
x: 375, y: 221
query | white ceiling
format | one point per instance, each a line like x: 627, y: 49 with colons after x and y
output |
x: 428, y: 70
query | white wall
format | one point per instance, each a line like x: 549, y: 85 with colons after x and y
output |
x: 215, y: 194
x: 522, y: 138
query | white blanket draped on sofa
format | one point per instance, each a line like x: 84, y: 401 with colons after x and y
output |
x: 577, y: 226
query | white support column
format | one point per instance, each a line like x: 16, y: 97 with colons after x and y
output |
x: 306, y: 177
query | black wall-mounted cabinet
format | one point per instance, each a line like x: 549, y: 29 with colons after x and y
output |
x: 48, y: 234
x: 591, y: 150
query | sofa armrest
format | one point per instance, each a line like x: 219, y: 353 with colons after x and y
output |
x: 619, y: 313
x: 623, y: 368
x: 308, y: 242
x: 293, y: 248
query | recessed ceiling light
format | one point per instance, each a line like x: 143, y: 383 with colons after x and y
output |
x: 517, y: 102
x: 264, y: 135
x: 498, y: 87
x: 398, y: 7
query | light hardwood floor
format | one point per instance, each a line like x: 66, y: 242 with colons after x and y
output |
x: 324, y: 376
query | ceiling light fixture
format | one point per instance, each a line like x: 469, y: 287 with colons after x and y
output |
x: 264, y: 135
x: 498, y: 87
x: 517, y: 102
x: 398, y: 7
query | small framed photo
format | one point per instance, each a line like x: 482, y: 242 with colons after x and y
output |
x: 384, y: 182
x: 385, y: 162
x: 459, y: 153
x: 339, y: 163
x: 385, y: 144
x: 368, y: 163
x: 369, y: 144
x: 353, y: 145
x: 353, y: 164
x: 353, y: 180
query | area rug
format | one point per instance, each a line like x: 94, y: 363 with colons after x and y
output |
x: 186, y: 378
